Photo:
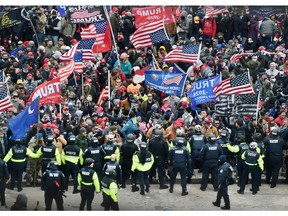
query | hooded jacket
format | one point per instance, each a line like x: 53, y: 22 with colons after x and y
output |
x: 267, y: 26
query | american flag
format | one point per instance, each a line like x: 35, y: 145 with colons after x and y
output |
x: 78, y: 66
x: 85, y: 13
x: 148, y: 35
x: 246, y: 104
x: 212, y: 10
x: 237, y: 56
x: 86, y: 47
x: 103, y: 95
x: 69, y: 54
x: 5, y: 100
x: 2, y: 78
x: 66, y: 71
x: 188, y: 54
x: 224, y: 105
x: 237, y: 85
x: 175, y: 79
x: 150, y: 121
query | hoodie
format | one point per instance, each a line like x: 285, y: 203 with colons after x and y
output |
x: 267, y: 26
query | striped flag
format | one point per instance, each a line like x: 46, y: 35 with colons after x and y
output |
x: 66, y: 71
x: 246, y: 104
x: 188, y: 54
x: 212, y: 10
x: 103, y: 95
x: 5, y: 100
x: 224, y: 105
x: 85, y: 13
x: 237, y: 85
x: 89, y: 32
x: 176, y: 80
x: 78, y: 66
x: 86, y: 47
x: 148, y: 35
x: 237, y: 56
x: 2, y: 78
x: 69, y: 55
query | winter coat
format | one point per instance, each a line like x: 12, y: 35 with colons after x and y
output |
x: 209, y: 27
x: 267, y: 26
x: 253, y: 29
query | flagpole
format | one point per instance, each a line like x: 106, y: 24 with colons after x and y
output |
x: 198, y: 57
x: 257, y: 110
x: 82, y: 87
x: 109, y: 103
x: 33, y: 28
x: 115, y: 45
x: 155, y: 60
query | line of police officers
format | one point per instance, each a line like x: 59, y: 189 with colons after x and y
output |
x: 102, y: 168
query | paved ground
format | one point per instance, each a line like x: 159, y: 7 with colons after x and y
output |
x: 158, y: 200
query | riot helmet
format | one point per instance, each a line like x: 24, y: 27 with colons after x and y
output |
x: 52, y: 165
x: 88, y: 161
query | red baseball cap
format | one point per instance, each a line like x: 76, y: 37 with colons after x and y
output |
x: 30, y: 54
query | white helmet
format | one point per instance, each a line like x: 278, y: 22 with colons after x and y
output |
x: 198, y: 128
x: 253, y: 145
x: 179, y: 132
x: 110, y: 137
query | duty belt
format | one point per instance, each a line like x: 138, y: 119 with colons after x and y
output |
x: 48, y: 159
x: 249, y: 164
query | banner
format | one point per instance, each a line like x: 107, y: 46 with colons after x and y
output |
x: 202, y: 91
x: 85, y: 14
x: 143, y: 16
x: 266, y: 11
x: 169, y: 83
x: 49, y: 92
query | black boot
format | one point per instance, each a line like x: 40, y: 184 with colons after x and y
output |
x: 135, y: 188
x: 227, y: 203
x: 216, y: 203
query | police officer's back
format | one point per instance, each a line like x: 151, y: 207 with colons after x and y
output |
x: 89, y: 182
x: 178, y: 158
x: 159, y: 148
x: 113, y: 164
x: 127, y: 150
x: 53, y: 183
x: 110, y: 190
x: 110, y: 148
x: 94, y: 152
x: 48, y: 152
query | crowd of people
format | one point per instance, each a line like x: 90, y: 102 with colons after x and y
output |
x: 139, y: 130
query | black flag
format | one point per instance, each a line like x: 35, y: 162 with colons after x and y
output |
x: 18, y: 14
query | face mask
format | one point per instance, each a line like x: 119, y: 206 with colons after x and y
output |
x: 273, y: 80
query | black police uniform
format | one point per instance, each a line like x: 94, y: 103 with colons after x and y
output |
x: 224, y: 173
x: 53, y: 183
x: 94, y: 152
x: 209, y: 155
x: 4, y: 176
x: 159, y: 148
x: 113, y: 165
x: 127, y: 151
x: 48, y: 153
x: 179, y: 159
x: 86, y: 178
x: 274, y: 158
x: 110, y: 190
x: 108, y: 149
x: 197, y: 141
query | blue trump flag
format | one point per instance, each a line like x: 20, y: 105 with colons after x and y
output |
x: 169, y: 83
x: 20, y: 124
x: 202, y: 91
x: 62, y: 10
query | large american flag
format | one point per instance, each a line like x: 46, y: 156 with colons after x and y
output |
x: 85, y: 13
x: 214, y: 10
x: 236, y: 85
x: 175, y: 79
x: 66, y: 71
x: 246, y: 104
x: 67, y: 56
x: 188, y: 54
x: 148, y: 35
x: 2, y: 78
x: 78, y: 66
x: 103, y: 95
x: 237, y: 56
x: 5, y: 100
x: 86, y: 47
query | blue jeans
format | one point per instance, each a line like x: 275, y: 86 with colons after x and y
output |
x: 40, y: 36
x: 54, y: 38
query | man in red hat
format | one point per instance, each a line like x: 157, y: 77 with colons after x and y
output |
x: 208, y: 128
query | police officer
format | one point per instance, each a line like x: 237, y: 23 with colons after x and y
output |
x: 110, y: 148
x: 94, y: 152
x: 178, y: 158
x: 274, y: 156
x: 127, y: 151
x: 142, y: 162
x: 49, y: 152
x: 225, y: 172
x: 4, y: 176
x: 239, y: 148
x: 110, y: 190
x: 89, y: 182
x: 113, y: 164
x: 196, y: 141
x: 159, y: 148
x: 210, y: 153
x: 18, y: 155
x: 222, y: 141
x: 71, y: 157
x: 53, y: 183
x: 252, y: 160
